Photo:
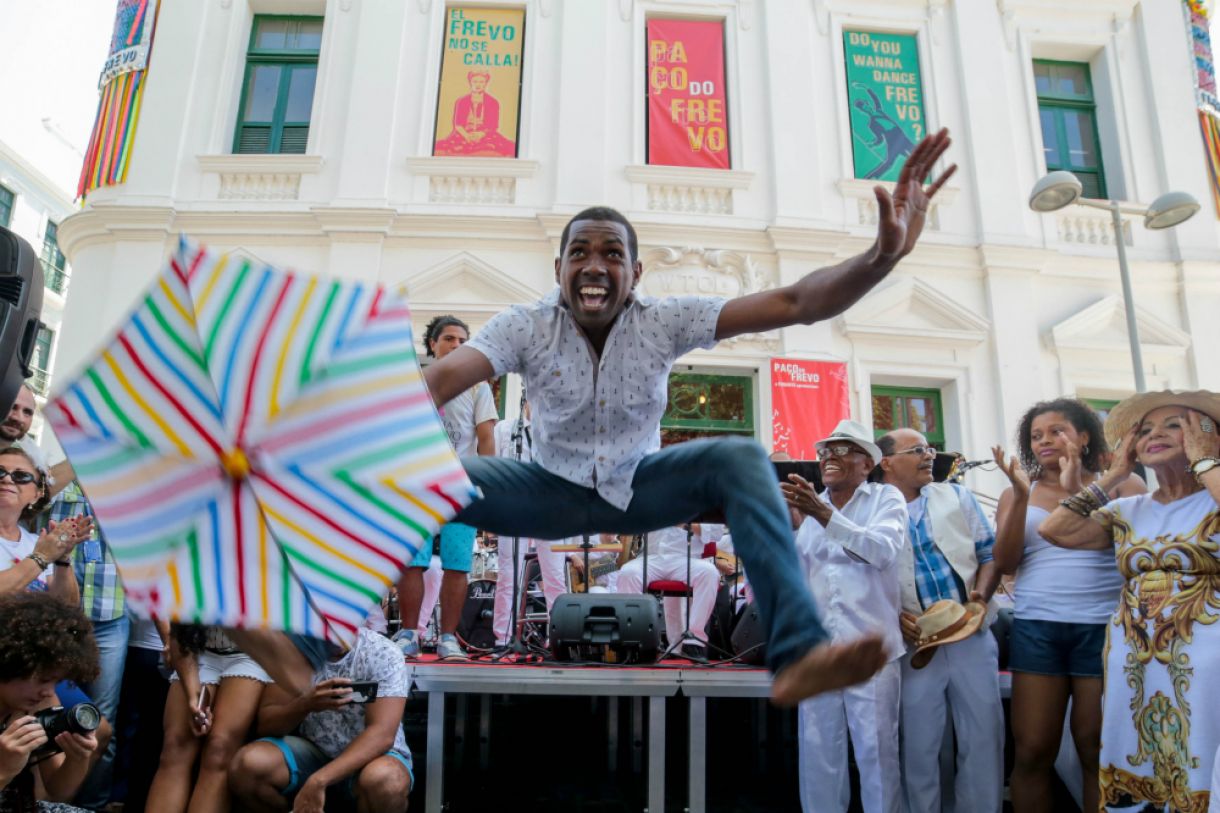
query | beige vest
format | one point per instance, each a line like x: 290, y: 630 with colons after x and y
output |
x: 951, y: 535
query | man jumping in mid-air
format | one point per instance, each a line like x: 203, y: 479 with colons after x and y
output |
x: 596, y: 359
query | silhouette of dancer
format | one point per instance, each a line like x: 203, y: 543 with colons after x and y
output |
x: 885, y: 130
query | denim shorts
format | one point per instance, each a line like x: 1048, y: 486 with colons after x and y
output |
x: 457, y: 548
x: 304, y: 759
x: 1056, y: 648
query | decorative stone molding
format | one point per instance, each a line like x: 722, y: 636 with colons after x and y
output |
x: 1090, y: 227
x: 1094, y: 16
x: 260, y: 177
x: 861, y: 192
x: 912, y: 312
x: 477, y: 181
x: 692, y: 270
x: 689, y: 190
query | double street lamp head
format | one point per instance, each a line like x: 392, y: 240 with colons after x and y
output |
x: 1061, y: 188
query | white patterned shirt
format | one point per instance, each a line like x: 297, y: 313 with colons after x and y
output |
x: 371, y: 658
x: 592, y: 423
x: 852, y: 565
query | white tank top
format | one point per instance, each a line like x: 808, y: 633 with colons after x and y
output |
x: 1058, y: 584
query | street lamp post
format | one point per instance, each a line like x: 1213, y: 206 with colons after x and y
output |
x: 1062, y: 188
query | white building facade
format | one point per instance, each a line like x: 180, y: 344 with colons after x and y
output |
x: 998, y: 307
x: 32, y: 206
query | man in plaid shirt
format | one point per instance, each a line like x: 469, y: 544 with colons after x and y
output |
x: 102, y: 600
x: 949, y: 557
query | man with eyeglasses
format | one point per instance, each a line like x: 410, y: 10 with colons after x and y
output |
x: 948, y: 557
x: 850, y: 541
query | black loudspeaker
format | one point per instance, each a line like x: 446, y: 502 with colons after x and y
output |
x: 474, y: 627
x: 20, y: 306
x: 606, y: 627
x: 749, y: 637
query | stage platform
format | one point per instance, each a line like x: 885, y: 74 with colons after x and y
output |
x: 658, y: 683
x: 679, y: 680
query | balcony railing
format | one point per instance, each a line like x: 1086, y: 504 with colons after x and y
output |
x: 54, y: 278
x: 40, y: 381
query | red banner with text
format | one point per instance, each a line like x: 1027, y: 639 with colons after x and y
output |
x: 687, y: 115
x: 808, y: 398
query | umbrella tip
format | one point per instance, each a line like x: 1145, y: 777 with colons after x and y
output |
x: 235, y: 463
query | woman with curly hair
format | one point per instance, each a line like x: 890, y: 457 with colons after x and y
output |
x: 1161, y: 729
x: 1064, y: 598
x: 212, y: 702
x: 30, y: 561
x: 42, y: 642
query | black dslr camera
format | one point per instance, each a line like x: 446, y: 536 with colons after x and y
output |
x: 82, y: 718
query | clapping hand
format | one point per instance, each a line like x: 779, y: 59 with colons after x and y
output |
x: 1199, y: 436
x: 901, y: 216
x: 1071, y: 470
x: 1016, y: 473
x: 59, y: 538
x: 799, y: 494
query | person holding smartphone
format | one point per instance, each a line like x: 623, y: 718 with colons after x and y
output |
x: 328, y: 746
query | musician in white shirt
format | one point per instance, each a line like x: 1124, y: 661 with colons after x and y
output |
x: 668, y: 550
x: 850, y: 542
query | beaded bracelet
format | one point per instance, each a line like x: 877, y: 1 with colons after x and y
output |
x: 1099, y: 493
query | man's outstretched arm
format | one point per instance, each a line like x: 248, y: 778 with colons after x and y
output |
x: 455, y: 373
x: 829, y: 291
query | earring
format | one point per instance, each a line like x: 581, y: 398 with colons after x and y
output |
x: 1084, y: 451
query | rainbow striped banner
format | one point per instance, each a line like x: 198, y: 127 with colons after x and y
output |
x: 260, y: 447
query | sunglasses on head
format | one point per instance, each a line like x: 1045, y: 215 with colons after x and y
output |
x: 837, y: 450
x: 18, y: 476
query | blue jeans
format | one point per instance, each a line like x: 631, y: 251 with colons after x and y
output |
x: 671, y: 486
x: 111, y: 639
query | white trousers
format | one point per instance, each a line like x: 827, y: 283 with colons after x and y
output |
x: 432, y: 593
x: 704, y: 578
x: 961, y: 682
x: 870, y: 713
x: 553, y: 580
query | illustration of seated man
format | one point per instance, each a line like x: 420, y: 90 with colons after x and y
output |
x: 476, y: 123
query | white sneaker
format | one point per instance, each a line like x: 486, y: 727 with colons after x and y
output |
x: 448, y: 649
x: 408, y: 642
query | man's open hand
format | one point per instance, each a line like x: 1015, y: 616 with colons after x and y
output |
x: 901, y: 216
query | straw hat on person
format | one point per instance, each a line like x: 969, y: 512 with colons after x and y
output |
x: 854, y: 432
x: 945, y: 622
x: 1130, y: 411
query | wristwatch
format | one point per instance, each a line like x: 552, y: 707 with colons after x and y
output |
x: 39, y: 560
x: 62, y: 563
x: 1204, y: 465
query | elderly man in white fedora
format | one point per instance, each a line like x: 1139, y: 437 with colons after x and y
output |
x: 947, y: 559
x: 850, y: 540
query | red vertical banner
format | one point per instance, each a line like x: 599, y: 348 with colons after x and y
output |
x: 687, y: 113
x: 808, y: 398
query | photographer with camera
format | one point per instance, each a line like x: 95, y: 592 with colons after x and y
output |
x: 44, y: 753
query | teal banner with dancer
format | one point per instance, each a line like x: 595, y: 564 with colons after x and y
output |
x: 885, y: 94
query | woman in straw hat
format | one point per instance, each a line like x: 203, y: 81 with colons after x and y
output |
x: 1160, y: 729
x: 1064, y: 599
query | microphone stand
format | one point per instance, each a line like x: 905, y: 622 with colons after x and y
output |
x: 516, y: 646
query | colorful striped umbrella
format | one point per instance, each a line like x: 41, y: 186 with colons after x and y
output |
x: 260, y: 447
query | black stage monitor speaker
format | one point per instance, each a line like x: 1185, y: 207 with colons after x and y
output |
x: 749, y: 637
x: 606, y: 627
x: 20, y: 306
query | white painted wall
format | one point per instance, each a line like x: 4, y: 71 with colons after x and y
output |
x: 998, y: 307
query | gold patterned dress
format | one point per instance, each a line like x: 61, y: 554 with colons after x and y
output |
x: 1161, y: 723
